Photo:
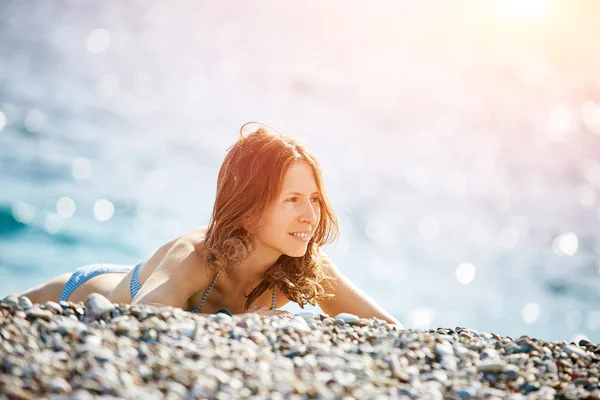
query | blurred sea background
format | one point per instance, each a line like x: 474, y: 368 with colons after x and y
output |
x: 460, y: 142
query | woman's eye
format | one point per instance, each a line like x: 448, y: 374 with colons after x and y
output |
x: 315, y: 199
x: 292, y: 199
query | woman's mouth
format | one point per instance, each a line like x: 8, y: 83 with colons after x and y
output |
x: 302, y: 236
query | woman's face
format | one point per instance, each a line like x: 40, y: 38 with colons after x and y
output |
x: 290, y: 224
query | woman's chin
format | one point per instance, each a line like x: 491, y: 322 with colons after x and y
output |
x: 296, y: 253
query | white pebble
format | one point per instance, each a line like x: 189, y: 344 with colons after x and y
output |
x: 347, y: 317
x: 98, y: 305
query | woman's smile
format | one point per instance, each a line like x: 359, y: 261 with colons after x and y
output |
x: 302, y: 236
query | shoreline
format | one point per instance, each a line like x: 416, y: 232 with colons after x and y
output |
x: 84, y: 350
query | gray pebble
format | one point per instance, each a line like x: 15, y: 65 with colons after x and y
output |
x: 25, y: 303
x: 11, y: 300
x: 573, y: 349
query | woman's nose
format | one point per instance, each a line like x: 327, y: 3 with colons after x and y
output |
x: 310, y: 214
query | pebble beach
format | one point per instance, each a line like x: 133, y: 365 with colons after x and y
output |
x: 98, y: 349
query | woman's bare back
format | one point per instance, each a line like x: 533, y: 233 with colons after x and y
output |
x: 121, y: 293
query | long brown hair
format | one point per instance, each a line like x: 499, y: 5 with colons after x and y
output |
x: 249, y: 181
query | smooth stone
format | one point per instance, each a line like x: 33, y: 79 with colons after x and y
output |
x: 511, y: 371
x: 37, y: 312
x: 347, y: 317
x: 572, y: 349
x: 490, y: 353
x: 25, y: 303
x: 59, y: 385
x: 467, y: 393
x: 551, y: 367
x: 299, y: 324
x: 81, y: 394
x: 92, y: 340
x: 444, y: 349
x: 186, y: 329
x: 66, y: 325
x: 222, y: 317
x: 512, y: 348
x: 11, y: 300
x: 449, y: 363
x: 98, y: 305
x: 307, y: 314
x: 491, y: 366
x: 54, y: 306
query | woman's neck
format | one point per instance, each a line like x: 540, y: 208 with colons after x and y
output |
x: 250, y: 272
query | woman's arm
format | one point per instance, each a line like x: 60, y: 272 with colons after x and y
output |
x: 350, y: 299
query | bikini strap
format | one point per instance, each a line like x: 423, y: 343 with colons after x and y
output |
x: 195, y: 310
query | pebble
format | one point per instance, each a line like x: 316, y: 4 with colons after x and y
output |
x: 307, y: 314
x: 98, y: 305
x: 572, y: 349
x: 25, y: 303
x: 121, y: 351
x: 346, y: 317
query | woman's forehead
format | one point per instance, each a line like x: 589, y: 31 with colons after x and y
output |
x: 300, y: 178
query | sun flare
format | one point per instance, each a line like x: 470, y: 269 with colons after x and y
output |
x: 523, y: 9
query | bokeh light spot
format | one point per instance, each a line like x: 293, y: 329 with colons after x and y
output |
x: 592, y: 320
x: 465, y: 273
x: 35, y: 120
x: 98, y: 41
x: 23, y: 212
x: 103, y: 210
x: 2, y: 120
x: 523, y: 9
x: 590, y: 116
x: 81, y: 168
x: 65, y: 207
x: 565, y: 244
x: 52, y: 223
x: 577, y: 337
x: 530, y: 313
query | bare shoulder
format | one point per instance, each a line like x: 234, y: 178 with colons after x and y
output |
x: 178, y: 275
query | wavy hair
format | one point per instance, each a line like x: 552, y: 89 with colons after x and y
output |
x: 250, y: 180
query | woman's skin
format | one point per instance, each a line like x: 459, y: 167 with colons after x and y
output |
x: 176, y: 275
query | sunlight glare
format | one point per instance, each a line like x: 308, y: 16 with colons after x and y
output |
x: 465, y: 273
x: 530, y: 313
x: 103, y: 210
x: 523, y: 9
x: 65, y: 207
x: 565, y: 244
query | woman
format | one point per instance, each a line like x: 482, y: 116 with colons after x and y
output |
x: 270, y: 218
